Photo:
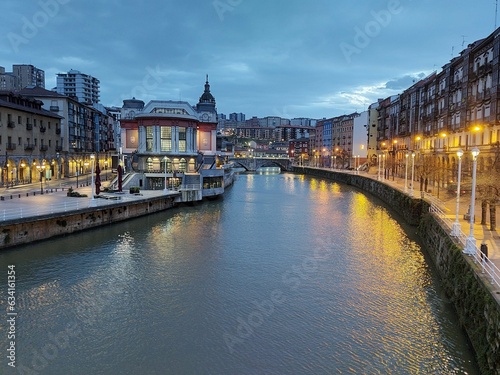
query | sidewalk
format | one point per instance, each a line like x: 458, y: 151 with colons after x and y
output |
x: 25, y: 201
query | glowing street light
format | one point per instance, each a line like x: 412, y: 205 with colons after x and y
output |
x: 165, y: 190
x: 41, y: 168
x: 455, y: 229
x: 383, y: 164
x: 470, y: 243
x: 406, y: 173
x: 92, y: 187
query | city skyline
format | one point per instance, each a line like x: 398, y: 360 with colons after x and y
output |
x: 292, y: 59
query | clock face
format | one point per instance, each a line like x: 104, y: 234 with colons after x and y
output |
x: 204, y: 116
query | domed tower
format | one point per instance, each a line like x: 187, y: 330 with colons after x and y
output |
x: 206, y: 105
x: 207, y: 127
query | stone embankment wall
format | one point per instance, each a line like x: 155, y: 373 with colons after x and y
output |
x: 23, y: 231
x: 475, y: 299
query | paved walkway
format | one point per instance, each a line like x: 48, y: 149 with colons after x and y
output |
x: 28, y: 201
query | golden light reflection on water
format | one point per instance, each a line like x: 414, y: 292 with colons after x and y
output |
x: 364, y: 303
x: 397, y: 266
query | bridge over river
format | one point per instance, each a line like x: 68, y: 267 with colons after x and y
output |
x: 254, y: 163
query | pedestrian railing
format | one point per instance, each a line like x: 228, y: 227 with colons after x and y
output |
x: 34, y: 211
x: 487, y: 266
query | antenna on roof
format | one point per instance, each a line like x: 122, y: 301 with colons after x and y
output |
x: 496, y: 11
x: 463, y: 40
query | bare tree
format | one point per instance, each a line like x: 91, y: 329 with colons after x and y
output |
x: 488, y: 188
x: 426, y: 168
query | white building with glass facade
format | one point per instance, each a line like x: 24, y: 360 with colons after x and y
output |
x: 172, y: 145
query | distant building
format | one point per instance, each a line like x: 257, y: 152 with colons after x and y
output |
x: 8, y: 81
x: 29, y: 75
x: 22, y: 76
x: 372, y: 153
x: 360, y: 137
x: 299, y: 150
x: 238, y: 117
x: 78, y: 85
x: 303, y: 121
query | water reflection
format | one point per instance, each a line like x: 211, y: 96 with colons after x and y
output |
x: 189, y: 291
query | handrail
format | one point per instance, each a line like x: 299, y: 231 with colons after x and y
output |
x: 35, y: 211
x: 190, y: 187
x: 487, y: 266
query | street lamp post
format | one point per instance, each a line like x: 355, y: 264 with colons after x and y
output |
x: 165, y: 161
x: 92, y: 188
x: 383, y: 163
x: 77, y: 163
x: 378, y: 170
x: 41, y: 168
x: 412, y: 191
x: 406, y: 172
x: 470, y: 243
x: 455, y: 229
x: 86, y: 165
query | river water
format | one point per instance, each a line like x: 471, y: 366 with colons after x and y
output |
x: 284, y: 275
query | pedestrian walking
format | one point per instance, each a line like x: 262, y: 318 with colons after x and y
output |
x: 484, y: 251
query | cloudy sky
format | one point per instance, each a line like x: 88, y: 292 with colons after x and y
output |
x: 289, y: 58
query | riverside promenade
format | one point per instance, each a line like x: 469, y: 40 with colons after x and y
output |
x: 27, y: 201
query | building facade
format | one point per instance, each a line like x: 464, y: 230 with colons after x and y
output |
x: 171, y: 144
x: 22, y: 76
x: 31, y: 138
x: 455, y: 109
x: 75, y: 84
x: 84, y: 130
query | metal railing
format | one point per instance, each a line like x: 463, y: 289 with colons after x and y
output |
x: 34, y: 211
x: 190, y: 187
x: 487, y: 266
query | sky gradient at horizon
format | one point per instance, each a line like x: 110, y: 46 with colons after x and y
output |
x: 290, y: 58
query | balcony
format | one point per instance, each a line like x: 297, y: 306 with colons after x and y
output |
x: 54, y: 108
x: 11, y: 124
x: 58, y: 148
x: 58, y: 131
x: 29, y: 146
x: 29, y: 126
x: 42, y: 129
x: 44, y: 148
x: 10, y: 146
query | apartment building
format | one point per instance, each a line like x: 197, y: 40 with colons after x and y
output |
x: 22, y: 76
x: 31, y: 139
x: 76, y: 84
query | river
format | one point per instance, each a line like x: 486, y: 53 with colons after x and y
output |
x: 284, y: 275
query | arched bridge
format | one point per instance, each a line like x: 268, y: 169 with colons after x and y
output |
x: 252, y: 164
